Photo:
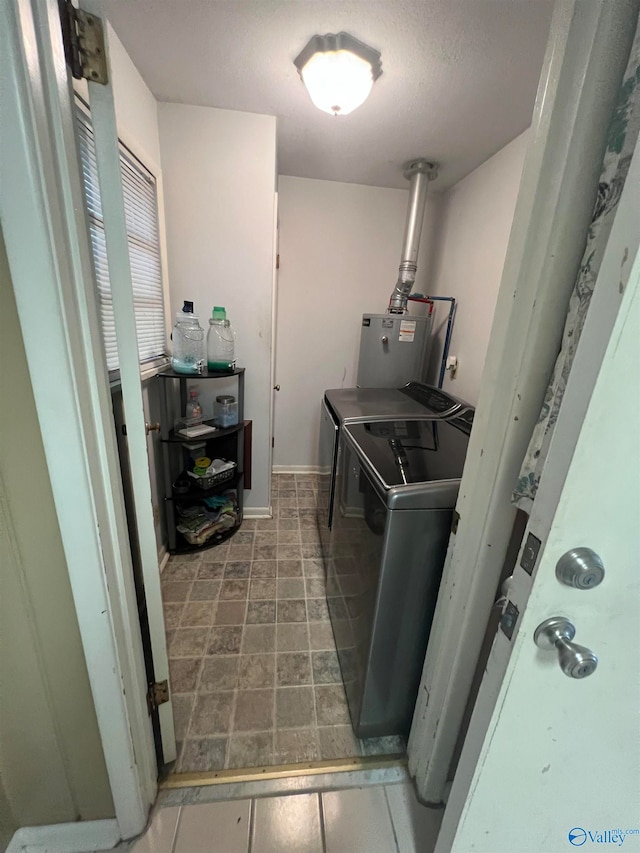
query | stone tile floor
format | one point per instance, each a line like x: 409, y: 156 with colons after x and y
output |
x: 254, y: 671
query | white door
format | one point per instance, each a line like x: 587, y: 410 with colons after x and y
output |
x: 107, y: 155
x: 559, y: 767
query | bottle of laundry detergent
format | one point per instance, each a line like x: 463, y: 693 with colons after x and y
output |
x: 221, y: 340
x: 188, y: 342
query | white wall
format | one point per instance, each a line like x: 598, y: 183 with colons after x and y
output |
x: 136, y: 107
x: 219, y: 170
x: 339, y: 253
x: 475, y: 219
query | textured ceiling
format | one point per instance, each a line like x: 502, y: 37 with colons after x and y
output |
x: 459, y: 76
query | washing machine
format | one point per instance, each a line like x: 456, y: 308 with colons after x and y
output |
x: 396, y: 486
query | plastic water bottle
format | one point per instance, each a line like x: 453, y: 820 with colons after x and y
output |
x: 220, y: 342
x: 194, y: 409
x: 188, y: 342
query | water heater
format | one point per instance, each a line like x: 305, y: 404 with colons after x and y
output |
x: 394, y: 350
x: 394, y: 347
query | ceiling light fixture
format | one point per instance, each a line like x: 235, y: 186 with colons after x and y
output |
x: 338, y: 71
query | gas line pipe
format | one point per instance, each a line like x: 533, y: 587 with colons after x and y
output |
x: 447, y: 338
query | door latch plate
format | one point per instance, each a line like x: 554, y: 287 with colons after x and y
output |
x: 509, y: 619
x: 530, y: 553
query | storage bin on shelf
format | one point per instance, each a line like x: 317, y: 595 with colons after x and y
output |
x: 214, y: 475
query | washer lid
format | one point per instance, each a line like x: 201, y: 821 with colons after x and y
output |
x: 434, y: 399
x: 402, y: 453
x: 412, y: 401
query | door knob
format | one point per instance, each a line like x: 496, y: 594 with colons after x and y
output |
x: 384, y: 339
x: 580, y: 568
x: 152, y: 428
x: 276, y: 387
x: 557, y: 633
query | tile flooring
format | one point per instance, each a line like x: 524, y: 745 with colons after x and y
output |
x: 254, y: 671
x: 376, y: 819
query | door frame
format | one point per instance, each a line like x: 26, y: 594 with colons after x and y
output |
x: 48, y: 247
x: 586, y: 56
x: 274, y: 329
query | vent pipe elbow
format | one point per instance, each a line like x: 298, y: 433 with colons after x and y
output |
x: 418, y: 173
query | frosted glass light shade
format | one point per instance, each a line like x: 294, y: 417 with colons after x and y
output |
x: 338, y: 71
x: 338, y: 81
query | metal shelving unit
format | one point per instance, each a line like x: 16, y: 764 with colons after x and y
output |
x: 226, y: 443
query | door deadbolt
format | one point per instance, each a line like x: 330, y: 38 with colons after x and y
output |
x: 557, y: 633
x: 580, y: 568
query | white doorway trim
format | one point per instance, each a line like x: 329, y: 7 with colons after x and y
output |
x: 274, y: 329
x: 80, y: 837
x: 48, y: 248
x: 586, y: 55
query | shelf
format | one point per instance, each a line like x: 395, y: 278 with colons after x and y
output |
x: 170, y: 373
x: 233, y: 443
x: 195, y: 493
x: 183, y: 547
x: 175, y: 438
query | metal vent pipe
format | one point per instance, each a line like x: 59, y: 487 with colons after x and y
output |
x: 418, y: 173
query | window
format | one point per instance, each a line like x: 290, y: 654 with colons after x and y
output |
x: 141, y: 213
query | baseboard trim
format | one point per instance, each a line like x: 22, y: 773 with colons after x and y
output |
x: 163, y: 558
x: 257, y: 512
x: 296, y: 469
x: 79, y: 837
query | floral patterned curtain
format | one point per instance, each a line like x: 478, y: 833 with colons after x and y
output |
x: 621, y: 142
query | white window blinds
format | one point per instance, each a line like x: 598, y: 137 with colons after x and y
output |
x: 141, y: 213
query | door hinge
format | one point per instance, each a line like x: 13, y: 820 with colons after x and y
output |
x: 83, y: 38
x: 273, y: 441
x: 157, y: 694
